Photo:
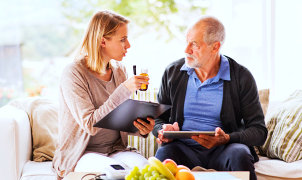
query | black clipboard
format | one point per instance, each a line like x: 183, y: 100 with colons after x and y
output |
x: 122, y: 117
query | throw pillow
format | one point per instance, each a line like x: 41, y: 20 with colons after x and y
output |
x: 264, y: 99
x: 284, y: 126
x: 43, y: 116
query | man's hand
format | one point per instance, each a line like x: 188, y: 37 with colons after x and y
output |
x: 144, y: 127
x: 166, y: 127
x: 209, y: 141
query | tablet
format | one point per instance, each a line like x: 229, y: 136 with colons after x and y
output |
x: 122, y: 117
x: 185, y: 134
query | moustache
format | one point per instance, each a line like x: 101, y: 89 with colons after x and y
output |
x: 190, y: 56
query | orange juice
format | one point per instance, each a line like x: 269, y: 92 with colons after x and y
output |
x: 144, y: 87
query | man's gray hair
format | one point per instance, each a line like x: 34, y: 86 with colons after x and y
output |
x: 214, y: 30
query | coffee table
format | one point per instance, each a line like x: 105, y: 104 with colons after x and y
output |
x: 234, y: 175
x: 230, y: 175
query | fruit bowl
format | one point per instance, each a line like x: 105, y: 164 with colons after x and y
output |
x: 157, y: 170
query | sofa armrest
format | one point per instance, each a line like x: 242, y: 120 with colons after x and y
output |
x: 15, y: 140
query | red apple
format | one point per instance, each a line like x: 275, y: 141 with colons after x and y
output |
x: 179, y: 167
x: 171, y: 165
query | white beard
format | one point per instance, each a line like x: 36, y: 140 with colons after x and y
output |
x: 190, y: 63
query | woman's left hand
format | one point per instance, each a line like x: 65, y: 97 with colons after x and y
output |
x: 144, y: 127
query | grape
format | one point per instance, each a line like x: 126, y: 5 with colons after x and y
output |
x: 151, y: 168
x: 141, y: 177
x: 135, y: 169
x: 147, y: 166
x: 155, y: 174
x: 128, y: 177
x: 152, y: 178
x: 148, y: 172
x: 144, y: 171
x: 133, y: 174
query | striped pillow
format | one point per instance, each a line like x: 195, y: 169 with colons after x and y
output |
x: 145, y: 146
x: 284, y: 126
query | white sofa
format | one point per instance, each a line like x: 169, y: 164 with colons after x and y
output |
x: 16, y: 148
x: 16, y: 153
x: 274, y: 169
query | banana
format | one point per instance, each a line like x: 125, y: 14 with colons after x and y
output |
x: 153, y: 161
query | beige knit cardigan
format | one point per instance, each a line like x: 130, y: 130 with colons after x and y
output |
x: 80, y: 109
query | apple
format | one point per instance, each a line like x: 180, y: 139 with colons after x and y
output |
x: 171, y: 165
x: 184, y: 174
x: 179, y: 167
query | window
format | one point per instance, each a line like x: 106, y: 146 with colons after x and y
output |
x: 37, y: 40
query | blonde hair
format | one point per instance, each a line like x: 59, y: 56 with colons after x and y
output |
x: 102, y: 24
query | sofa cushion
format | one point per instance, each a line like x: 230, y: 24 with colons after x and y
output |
x: 43, y: 116
x: 278, y: 168
x: 38, y: 171
x: 284, y: 124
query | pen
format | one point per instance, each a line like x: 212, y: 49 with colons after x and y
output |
x: 134, y: 72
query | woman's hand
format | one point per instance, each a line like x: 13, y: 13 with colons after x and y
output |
x: 144, y: 127
x: 135, y: 82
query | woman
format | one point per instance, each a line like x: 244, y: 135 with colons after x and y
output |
x: 91, y: 87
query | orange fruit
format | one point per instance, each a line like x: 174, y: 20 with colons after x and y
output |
x: 184, y: 174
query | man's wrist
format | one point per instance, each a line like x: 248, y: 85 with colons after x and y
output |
x: 227, y: 138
